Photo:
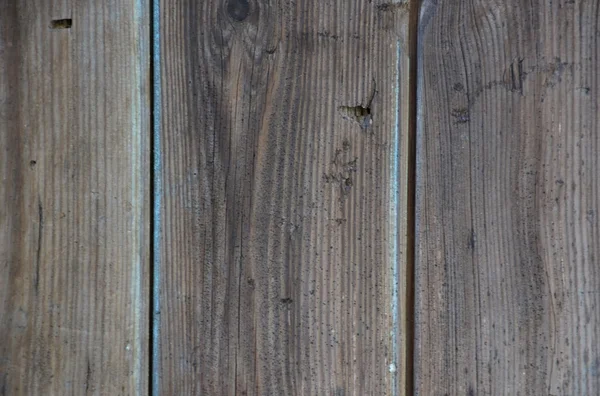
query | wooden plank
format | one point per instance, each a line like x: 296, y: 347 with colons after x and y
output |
x: 508, y: 199
x: 74, y: 123
x: 283, y: 220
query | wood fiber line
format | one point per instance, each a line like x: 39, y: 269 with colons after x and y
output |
x: 284, y: 136
x: 508, y: 199
x: 73, y: 198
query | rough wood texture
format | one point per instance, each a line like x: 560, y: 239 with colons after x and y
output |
x: 283, y: 238
x: 508, y: 199
x: 73, y: 197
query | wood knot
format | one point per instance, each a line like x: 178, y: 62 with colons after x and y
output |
x: 238, y: 10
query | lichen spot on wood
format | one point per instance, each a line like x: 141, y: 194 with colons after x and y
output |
x: 61, y: 24
x: 238, y: 10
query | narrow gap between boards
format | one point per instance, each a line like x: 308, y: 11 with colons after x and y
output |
x: 414, y: 10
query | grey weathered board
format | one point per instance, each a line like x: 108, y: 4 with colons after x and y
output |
x: 283, y: 225
x: 74, y: 124
x: 508, y: 281
x: 284, y: 240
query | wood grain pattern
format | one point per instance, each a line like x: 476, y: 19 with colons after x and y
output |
x: 282, y: 255
x: 73, y: 197
x: 508, y: 199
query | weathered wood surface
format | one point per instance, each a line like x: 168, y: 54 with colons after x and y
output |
x: 508, y: 199
x: 283, y: 213
x: 73, y: 197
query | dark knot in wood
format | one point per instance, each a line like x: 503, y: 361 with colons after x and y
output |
x: 238, y: 10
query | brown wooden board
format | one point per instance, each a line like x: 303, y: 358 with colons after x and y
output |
x: 508, y: 199
x: 74, y: 156
x: 282, y: 261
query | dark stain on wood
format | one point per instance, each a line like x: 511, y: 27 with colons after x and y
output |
x: 88, y: 377
x: 61, y: 24
x: 517, y: 76
x: 238, y: 9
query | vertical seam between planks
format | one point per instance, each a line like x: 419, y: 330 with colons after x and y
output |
x: 156, y: 186
x: 413, y: 29
x: 394, y: 218
x: 137, y: 190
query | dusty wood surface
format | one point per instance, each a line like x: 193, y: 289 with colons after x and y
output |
x: 283, y: 240
x: 73, y: 198
x: 508, y: 199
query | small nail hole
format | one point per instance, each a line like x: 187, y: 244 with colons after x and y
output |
x: 32, y: 163
x: 61, y: 24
